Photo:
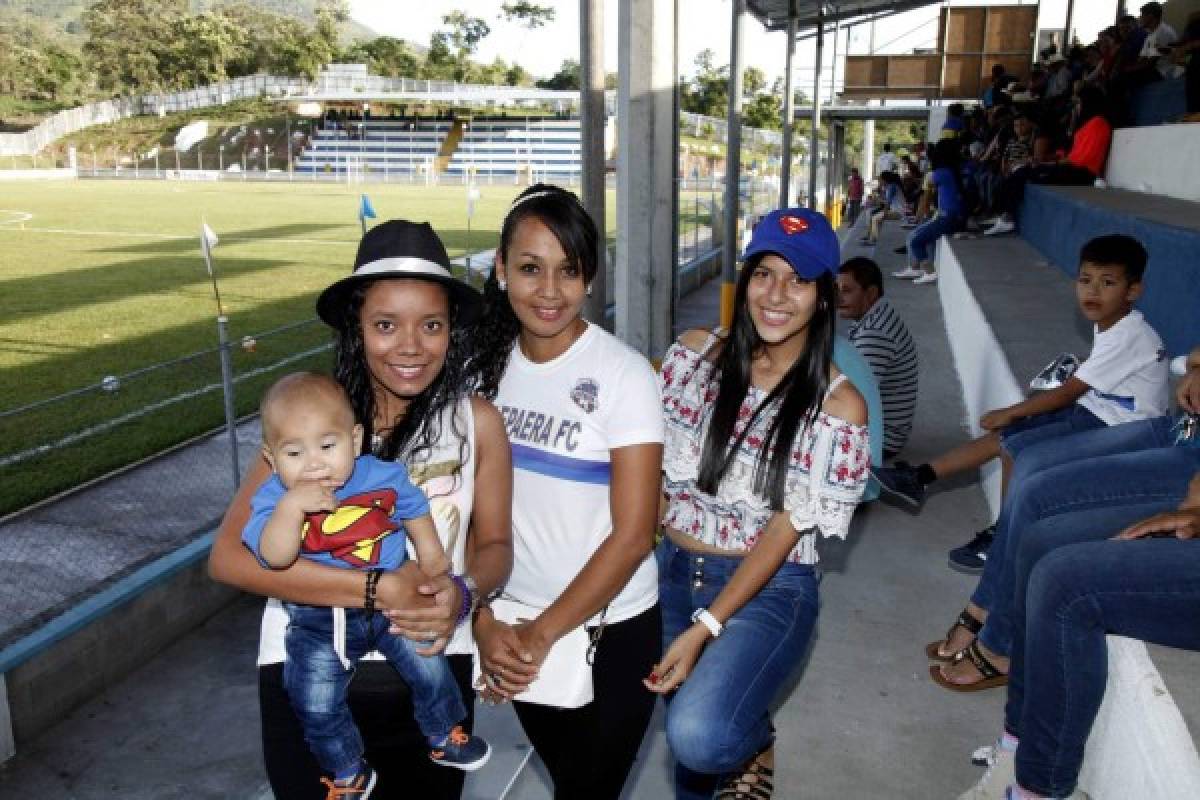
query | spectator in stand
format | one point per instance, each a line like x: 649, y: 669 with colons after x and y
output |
x: 955, y: 124
x: 999, y: 84
x: 1154, y: 64
x: 1188, y: 47
x: 950, y: 218
x: 1065, y: 545
x: 887, y: 161
x: 1123, y: 380
x: 1133, y: 36
x: 1058, y: 84
x: 891, y: 207
x: 921, y: 153
x: 854, y: 196
x: 1082, y: 166
x: 1108, y: 45
x: 882, y: 338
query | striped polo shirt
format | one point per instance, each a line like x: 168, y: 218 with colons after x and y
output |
x: 884, y: 341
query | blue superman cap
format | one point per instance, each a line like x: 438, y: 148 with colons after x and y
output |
x: 801, y: 237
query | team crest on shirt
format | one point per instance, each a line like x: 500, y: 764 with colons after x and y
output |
x: 586, y: 394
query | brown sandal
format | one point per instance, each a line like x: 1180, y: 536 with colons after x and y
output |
x: 966, y: 621
x: 990, y: 677
x: 752, y: 783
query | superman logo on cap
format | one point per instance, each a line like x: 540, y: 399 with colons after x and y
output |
x: 792, y: 224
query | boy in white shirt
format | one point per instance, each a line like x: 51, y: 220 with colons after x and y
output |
x: 1124, y: 379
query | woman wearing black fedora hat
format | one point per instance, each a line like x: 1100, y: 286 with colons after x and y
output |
x: 578, y: 623
x: 401, y: 330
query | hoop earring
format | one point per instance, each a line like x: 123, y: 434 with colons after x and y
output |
x: 502, y: 284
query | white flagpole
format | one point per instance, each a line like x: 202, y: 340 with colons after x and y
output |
x: 208, y: 239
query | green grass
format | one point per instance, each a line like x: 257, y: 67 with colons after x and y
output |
x: 107, y: 278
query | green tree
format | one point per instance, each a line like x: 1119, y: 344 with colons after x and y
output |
x: 530, y: 15
x: 388, y: 56
x: 128, y: 42
x: 568, y: 77
x: 450, y: 50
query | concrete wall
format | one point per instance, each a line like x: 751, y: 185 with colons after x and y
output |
x: 1163, y: 159
x: 152, y: 611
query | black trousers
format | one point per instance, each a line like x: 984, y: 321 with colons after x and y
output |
x: 589, y: 751
x: 1012, y: 190
x: 382, y: 709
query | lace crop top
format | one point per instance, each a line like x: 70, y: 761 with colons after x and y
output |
x: 825, y: 480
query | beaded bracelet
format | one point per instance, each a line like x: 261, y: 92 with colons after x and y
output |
x: 373, y: 576
x: 465, y: 610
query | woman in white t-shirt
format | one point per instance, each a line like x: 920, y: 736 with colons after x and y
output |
x: 766, y: 453
x: 401, y: 330
x: 583, y: 414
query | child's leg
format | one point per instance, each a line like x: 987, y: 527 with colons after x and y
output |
x: 317, y: 684
x: 971, y: 455
x: 437, y: 702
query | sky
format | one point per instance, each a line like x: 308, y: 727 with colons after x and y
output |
x: 703, y: 24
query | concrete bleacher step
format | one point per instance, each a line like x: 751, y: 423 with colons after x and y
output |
x: 1058, y: 220
x: 1008, y: 312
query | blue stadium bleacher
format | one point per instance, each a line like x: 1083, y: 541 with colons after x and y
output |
x: 548, y: 147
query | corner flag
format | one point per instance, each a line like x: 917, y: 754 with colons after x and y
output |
x: 365, y: 210
x: 208, y: 240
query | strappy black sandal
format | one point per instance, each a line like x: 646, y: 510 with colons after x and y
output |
x: 970, y: 623
x: 989, y: 676
x: 754, y: 782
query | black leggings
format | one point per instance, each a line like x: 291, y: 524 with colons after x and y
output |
x: 1012, y: 190
x: 589, y: 751
x: 382, y: 709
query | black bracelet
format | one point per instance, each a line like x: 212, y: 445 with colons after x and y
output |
x: 373, y: 576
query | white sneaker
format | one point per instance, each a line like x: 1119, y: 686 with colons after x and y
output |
x: 908, y: 273
x: 999, y: 227
x: 927, y: 277
x: 995, y: 781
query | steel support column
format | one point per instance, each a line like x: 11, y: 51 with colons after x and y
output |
x: 592, y: 119
x: 789, y: 113
x: 733, y: 164
x: 814, y: 156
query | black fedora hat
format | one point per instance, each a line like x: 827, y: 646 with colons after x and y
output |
x: 399, y: 249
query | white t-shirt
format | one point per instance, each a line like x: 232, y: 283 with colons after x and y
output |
x: 563, y: 419
x: 886, y: 162
x: 451, y: 498
x: 1161, y: 36
x: 1127, y: 372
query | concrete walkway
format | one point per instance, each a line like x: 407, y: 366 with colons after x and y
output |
x: 861, y: 720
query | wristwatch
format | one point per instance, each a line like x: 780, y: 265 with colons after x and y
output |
x: 706, y: 619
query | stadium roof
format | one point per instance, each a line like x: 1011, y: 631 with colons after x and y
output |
x: 773, y: 14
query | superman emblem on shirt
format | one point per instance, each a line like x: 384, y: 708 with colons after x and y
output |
x: 354, y: 531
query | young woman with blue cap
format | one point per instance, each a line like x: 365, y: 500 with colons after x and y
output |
x: 766, y: 452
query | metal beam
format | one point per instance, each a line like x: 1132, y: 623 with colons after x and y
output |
x: 592, y: 120
x: 733, y: 164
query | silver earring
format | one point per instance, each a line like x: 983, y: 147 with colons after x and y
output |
x: 502, y: 284
x: 589, y: 291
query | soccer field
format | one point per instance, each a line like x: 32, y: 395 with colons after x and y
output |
x: 106, y: 278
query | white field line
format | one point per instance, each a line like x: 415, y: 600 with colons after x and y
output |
x: 72, y: 438
x: 18, y: 217
x: 175, y: 236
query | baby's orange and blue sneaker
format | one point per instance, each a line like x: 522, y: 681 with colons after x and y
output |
x: 460, y: 750
x: 352, y: 787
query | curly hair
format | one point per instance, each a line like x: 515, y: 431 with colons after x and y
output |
x: 560, y: 211
x: 414, y: 433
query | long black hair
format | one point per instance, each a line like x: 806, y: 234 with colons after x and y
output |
x: 560, y: 211
x: 793, y: 404
x: 419, y: 428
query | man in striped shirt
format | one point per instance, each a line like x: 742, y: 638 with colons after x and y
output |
x: 879, y: 334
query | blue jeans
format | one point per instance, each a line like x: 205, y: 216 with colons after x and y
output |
x: 317, y: 682
x: 1029, y: 431
x: 927, y: 234
x: 718, y: 718
x: 1147, y: 589
x: 1101, y: 468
